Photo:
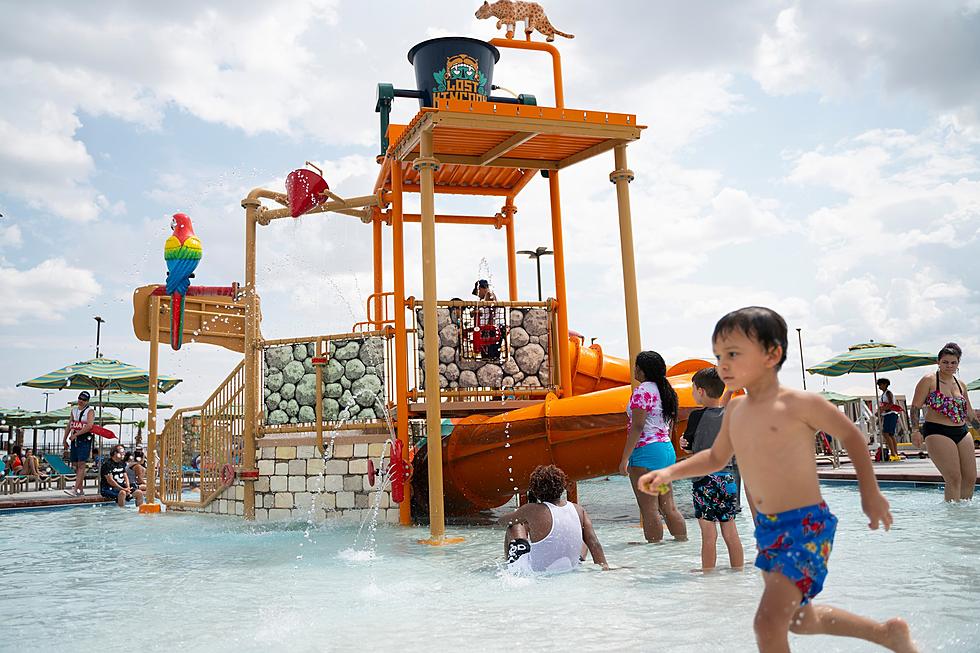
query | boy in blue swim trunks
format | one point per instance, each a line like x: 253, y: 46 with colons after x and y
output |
x: 771, y: 433
x: 715, y: 495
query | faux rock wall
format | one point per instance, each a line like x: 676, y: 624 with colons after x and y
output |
x: 353, y: 381
x: 526, y: 366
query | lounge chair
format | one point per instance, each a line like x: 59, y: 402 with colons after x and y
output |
x: 62, y: 473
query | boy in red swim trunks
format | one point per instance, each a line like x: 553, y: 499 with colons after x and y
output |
x: 770, y: 431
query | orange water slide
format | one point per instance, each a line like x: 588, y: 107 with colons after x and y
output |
x: 486, y: 460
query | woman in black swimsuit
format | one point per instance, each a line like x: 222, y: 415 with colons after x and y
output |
x: 947, y: 437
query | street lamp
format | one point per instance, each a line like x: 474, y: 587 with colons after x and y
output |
x: 46, y: 395
x: 799, y: 335
x: 98, y: 334
x: 536, y: 255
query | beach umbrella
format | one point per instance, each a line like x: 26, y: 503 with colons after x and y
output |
x: 126, y: 400
x: 872, y: 357
x: 836, y: 398
x: 973, y: 385
x: 101, y: 374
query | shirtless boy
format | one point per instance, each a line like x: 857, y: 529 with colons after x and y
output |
x: 771, y: 431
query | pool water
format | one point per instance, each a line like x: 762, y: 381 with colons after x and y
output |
x: 104, y: 579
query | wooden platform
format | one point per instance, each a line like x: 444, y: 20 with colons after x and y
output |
x: 495, y: 149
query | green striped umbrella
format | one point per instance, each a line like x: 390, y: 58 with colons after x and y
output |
x: 973, y: 385
x: 101, y: 374
x: 836, y: 398
x: 123, y: 400
x: 872, y: 357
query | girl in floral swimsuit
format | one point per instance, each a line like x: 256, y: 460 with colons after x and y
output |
x: 945, y: 431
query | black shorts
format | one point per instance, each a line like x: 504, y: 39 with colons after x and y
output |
x: 715, y: 497
x: 517, y: 548
x: 954, y: 433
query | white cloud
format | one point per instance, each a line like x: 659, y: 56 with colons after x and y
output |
x: 11, y: 237
x: 45, y: 292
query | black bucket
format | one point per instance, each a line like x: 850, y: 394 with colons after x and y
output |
x: 453, y: 67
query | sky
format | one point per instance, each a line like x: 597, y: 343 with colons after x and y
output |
x: 822, y: 159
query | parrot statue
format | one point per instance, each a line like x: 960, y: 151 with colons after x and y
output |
x: 182, y: 252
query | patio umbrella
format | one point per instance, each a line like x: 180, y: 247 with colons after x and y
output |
x: 101, y: 374
x: 872, y: 357
x: 836, y: 398
x: 973, y: 385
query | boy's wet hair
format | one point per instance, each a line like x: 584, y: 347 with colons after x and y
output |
x: 709, y: 381
x: 762, y: 325
x: 547, y: 483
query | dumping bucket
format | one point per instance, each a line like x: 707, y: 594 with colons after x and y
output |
x: 453, y: 67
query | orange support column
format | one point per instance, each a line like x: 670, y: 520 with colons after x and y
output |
x: 401, y: 336
x: 378, y: 273
x: 560, y: 294
x: 509, y: 210
x: 622, y: 176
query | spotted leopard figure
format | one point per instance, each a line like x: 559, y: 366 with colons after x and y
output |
x: 508, y: 13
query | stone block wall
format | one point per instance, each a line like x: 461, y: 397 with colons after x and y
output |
x: 295, y: 483
x: 353, y: 381
x: 526, y: 364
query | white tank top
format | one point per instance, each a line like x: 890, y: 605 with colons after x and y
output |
x: 561, y: 548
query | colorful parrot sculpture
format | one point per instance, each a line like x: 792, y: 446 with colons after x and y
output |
x: 182, y: 252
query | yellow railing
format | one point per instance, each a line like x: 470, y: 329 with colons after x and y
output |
x: 222, y: 430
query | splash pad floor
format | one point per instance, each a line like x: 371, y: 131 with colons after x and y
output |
x: 218, y: 584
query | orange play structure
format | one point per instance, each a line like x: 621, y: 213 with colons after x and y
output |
x: 518, y: 388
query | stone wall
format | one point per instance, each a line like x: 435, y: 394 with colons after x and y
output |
x: 295, y: 483
x: 353, y: 382
x: 525, y: 363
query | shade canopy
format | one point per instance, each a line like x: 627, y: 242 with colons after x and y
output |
x: 872, y: 358
x: 836, y: 398
x: 973, y: 385
x: 101, y: 374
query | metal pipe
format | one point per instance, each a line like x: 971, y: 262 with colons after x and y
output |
x: 401, y: 334
x: 540, y: 47
x: 799, y: 335
x: 508, y: 212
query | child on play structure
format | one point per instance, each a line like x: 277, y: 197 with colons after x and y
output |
x: 715, y: 495
x: 771, y: 433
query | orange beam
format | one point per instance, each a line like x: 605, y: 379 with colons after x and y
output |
x: 562, y: 308
x: 509, y: 210
x: 401, y: 334
x: 540, y: 47
x: 490, y: 220
x: 457, y: 190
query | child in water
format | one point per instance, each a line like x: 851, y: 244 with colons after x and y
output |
x: 770, y: 431
x: 715, y: 496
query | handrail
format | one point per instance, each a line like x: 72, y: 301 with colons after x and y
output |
x: 221, y: 439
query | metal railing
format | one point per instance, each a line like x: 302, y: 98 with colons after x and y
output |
x: 222, y: 431
x: 467, y: 317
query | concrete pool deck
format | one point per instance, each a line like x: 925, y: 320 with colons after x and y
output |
x: 910, y: 470
x: 47, y: 499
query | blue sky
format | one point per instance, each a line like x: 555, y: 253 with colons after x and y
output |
x: 820, y: 158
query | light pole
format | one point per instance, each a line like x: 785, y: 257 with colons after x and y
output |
x: 98, y: 334
x: 536, y: 255
x: 46, y: 395
x: 799, y: 335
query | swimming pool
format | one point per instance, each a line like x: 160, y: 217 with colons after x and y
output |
x: 100, y: 578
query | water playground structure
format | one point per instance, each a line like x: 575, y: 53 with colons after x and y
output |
x: 318, y: 423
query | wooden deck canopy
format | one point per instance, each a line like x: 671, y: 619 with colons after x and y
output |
x: 495, y: 149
